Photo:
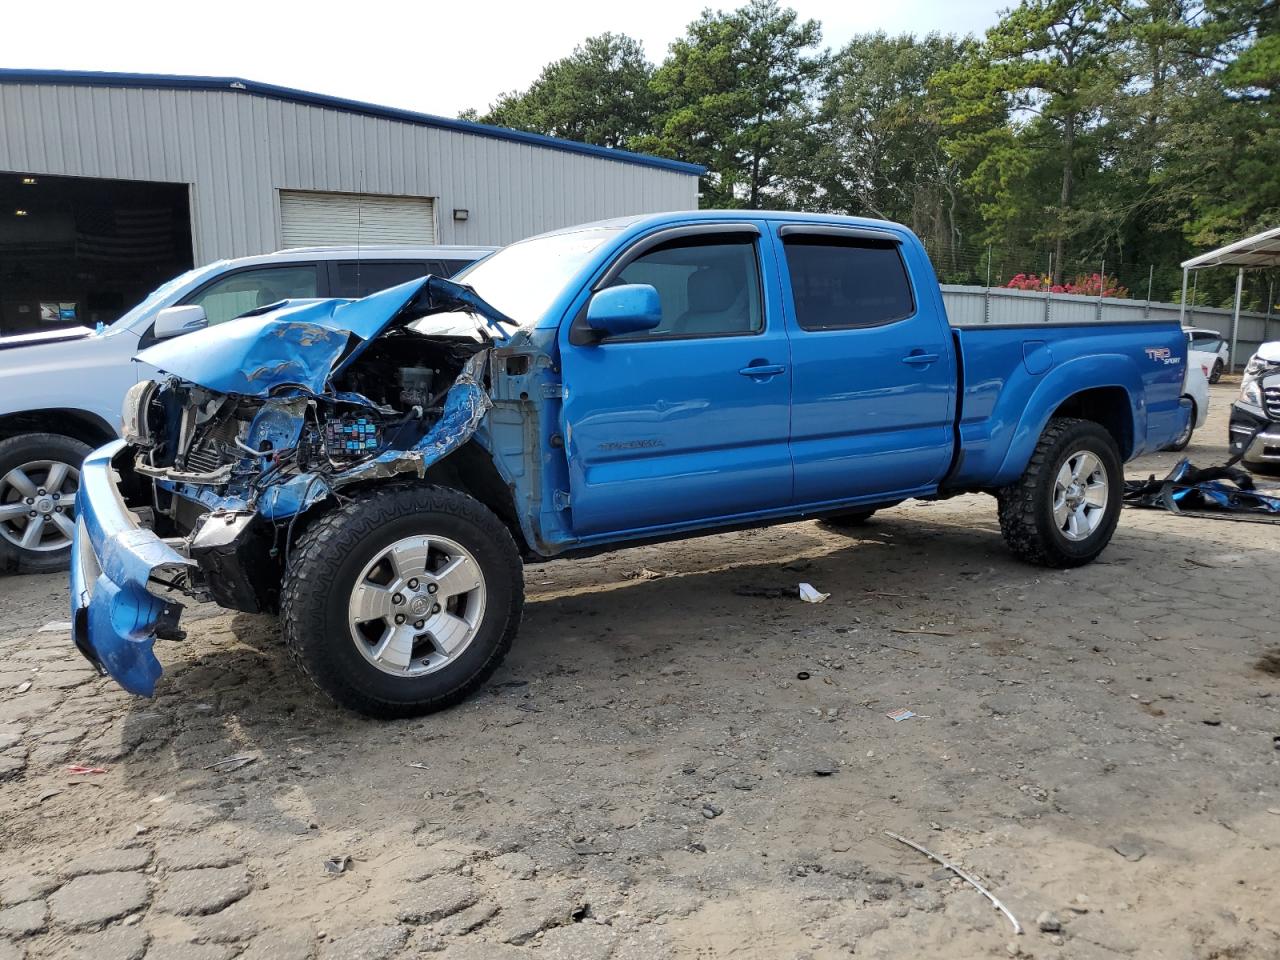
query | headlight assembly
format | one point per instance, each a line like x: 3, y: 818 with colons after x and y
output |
x: 133, y: 416
x: 1251, y: 392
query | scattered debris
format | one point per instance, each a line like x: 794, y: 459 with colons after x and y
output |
x: 810, y: 594
x: 23, y: 687
x: 711, y: 810
x: 963, y: 875
x: 418, y: 766
x: 56, y: 626
x: 1130, y: 847
x: 79, y: 769
x: 1226, y: 492
x: 798, y: 566
x: 824, y: 768
x: 1048, y: 923
x: 47, y: 795
x: 231, y: 763
x: 337, y: 864
x: 802, y: 675
x: 927, y: 633
x: 902, y: 713
x: 644, y: 573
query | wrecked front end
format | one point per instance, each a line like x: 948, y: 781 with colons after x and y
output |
x: 252, y: 426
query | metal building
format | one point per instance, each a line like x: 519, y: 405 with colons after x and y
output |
x: 111, y: 183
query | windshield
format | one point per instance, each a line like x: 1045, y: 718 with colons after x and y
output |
x: 522, y: 280
x: 158, y: 296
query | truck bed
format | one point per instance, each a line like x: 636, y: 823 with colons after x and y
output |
x: 1015, y: 377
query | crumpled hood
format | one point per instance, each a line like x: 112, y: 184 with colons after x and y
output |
x: 301, y: 344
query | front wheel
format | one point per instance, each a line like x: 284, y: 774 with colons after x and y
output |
x: 402, y: 601
x: 39, y: 476
x: 1064, y: 508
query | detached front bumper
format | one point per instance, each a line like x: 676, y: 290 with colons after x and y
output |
x: 115, y: 615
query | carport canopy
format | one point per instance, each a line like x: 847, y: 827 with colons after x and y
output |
x: 1258, y: 252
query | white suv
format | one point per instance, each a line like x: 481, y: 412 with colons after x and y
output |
x: 61, y: 390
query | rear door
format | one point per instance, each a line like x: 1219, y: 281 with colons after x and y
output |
x: 874, y: 375
x: 689, y: 421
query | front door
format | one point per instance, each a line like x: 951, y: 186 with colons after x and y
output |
x: 688, y: 421
x: 873, y: 367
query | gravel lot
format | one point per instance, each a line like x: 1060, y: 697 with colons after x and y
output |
x: 667, y: 768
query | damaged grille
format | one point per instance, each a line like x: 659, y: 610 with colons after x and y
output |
x: 1271, y: 402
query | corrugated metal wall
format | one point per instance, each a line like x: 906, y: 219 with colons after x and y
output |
x: 238, y: 150
x: 976, y: 305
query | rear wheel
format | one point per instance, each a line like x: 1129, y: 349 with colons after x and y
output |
x: 1216, y: 374
x: 39, y: 477
x: 1064, y: 508
x: 403, y: 601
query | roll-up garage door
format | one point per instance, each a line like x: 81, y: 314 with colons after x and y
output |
x: 317, y: 219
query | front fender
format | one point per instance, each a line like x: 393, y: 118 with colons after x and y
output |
x: 1061, y: 384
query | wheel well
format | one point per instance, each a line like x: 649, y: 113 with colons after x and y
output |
x: 79, y: 424
x: 471, y: 470
x: 1106, y: 406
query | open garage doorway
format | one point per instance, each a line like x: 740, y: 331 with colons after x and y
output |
x: 82, y: 251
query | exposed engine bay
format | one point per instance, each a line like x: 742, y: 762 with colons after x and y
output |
x: 389, y: 398
x: 227, y: 472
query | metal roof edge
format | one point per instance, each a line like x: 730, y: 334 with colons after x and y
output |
x: 159, y: 81
x: 1212, y: 258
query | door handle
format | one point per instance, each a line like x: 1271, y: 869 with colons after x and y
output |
x: 920, y: 358
x: 763, y: 370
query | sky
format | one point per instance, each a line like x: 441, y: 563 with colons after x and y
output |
x: 431, y: 57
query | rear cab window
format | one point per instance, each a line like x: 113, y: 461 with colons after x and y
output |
x: 847, y: 282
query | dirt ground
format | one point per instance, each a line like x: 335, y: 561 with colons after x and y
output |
x: 666, y: 768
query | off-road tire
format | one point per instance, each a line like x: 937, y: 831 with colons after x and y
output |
x: 1026, y: 505
x: 1216, y: 373
x: 843, y: 521
x: 323, y: 566
x: 24, y: 448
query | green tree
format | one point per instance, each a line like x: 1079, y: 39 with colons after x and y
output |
x: 879, y: 149
x: 735, y: 95
x: 1050, y: 64
x: 598, y: 94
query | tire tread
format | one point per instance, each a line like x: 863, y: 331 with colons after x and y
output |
x: 1018, y: 502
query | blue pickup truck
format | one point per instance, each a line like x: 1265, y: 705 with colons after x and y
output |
x: 378, y: 470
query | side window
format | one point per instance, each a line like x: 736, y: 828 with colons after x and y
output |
x: 361, y: 278
x: 841, y: 284
x: 707, y: 288
x: 236, y: 293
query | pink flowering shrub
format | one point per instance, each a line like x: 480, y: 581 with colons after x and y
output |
x: 1086, y: 284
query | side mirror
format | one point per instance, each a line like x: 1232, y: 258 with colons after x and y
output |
x: 175, y: 321
x: 628, y: 308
